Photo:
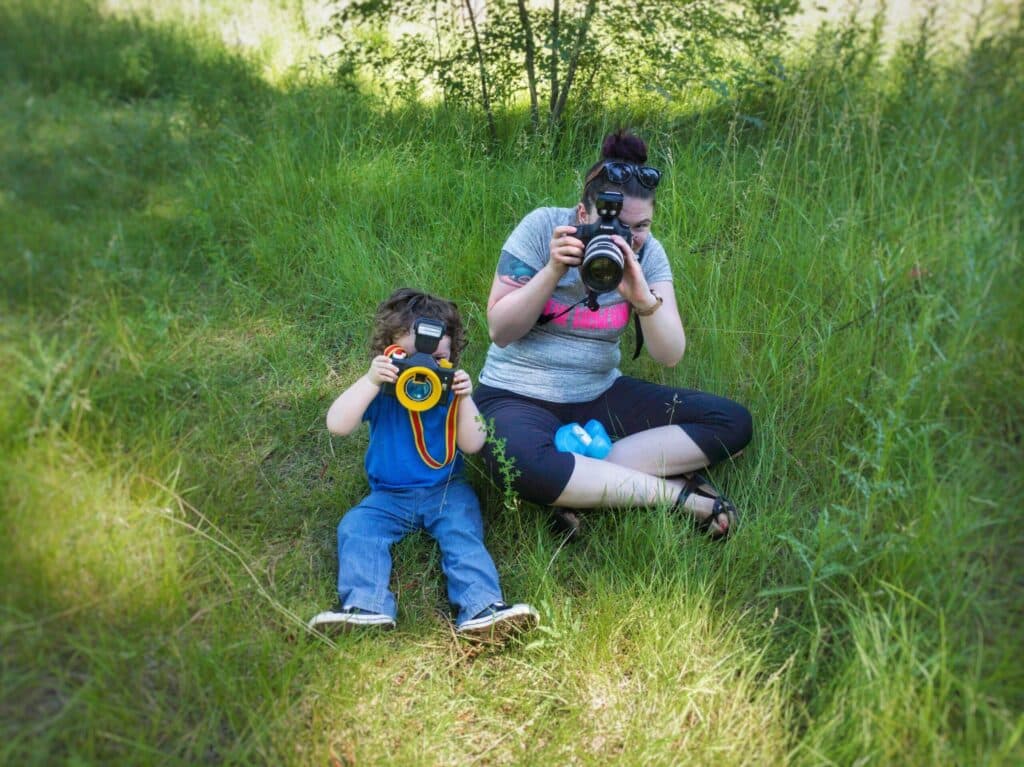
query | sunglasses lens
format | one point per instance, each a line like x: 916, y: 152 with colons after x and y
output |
x: 617, y: 172
x: 649, y: 176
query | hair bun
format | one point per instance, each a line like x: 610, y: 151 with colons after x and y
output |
x: 623, y: 145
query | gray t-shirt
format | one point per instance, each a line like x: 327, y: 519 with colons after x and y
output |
x: 575, y: 357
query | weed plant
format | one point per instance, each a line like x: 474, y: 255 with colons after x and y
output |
x: 191, y: 255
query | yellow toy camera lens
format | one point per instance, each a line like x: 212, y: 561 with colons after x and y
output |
x: 418, y: 388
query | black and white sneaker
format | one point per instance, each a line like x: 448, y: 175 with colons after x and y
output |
x: 346, y: 618
x: 499, y: 621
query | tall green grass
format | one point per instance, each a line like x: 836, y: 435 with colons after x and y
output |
x: 191, y: 257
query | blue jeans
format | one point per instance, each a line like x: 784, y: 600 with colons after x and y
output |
x: 450, y: 513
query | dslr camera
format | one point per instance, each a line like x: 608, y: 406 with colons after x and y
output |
x: 602, y: 265
x: 422, y: 381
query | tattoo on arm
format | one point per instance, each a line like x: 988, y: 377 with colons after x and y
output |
x: 514, y: 271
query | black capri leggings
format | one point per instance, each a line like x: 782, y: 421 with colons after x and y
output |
x: 719, y: 426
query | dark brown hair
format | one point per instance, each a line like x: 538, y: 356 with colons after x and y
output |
x: 396, y: 314
x: 622, y: 146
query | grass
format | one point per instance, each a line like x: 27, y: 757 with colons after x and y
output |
x: 192, y: 251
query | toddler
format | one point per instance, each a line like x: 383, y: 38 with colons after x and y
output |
x: 415, y: 475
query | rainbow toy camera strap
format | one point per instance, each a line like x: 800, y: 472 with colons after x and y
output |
x: 420, y: 437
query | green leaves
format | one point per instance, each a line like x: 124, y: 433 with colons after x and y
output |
x: 493, y: 55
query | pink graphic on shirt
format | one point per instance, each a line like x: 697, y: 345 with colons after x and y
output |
x: 614, y: 317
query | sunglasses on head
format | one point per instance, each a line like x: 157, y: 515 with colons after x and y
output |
x: 621, y: 172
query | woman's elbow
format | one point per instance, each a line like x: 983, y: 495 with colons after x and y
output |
x: 503, y: 336
x: 671, y: 362
x: 495, y: 331
x: 671, y: 357
x: 496, y: 338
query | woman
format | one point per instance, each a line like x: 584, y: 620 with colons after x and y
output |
x: 554, y: 360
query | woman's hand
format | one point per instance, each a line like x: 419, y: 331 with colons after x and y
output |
x: 634, y: 287
x: 382, y: 370
x: 564, y: 251
x: 462, y: 384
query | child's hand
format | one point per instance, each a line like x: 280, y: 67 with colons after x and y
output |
x: 462, y: 384
x: 382, y: 370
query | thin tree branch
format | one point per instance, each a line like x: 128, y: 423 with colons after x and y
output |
x: 492, y: 128
x: 556, y: 25
x: 577, y: 51
x: 531, y: 74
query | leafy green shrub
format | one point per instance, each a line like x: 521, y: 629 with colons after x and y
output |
x: 492, y: 53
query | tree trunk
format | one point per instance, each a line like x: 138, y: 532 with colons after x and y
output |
x: 531, y: 73
x: 438, y: 47
x: 492, y: 128
x: 563, y: 94
x: 556, y: 24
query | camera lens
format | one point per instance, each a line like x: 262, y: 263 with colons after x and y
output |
x: 418, y: 388
x: 602, y: 265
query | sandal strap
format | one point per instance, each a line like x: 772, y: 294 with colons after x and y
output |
x: 723, y: 505
x: 702, y: 484
x: 691, y: 485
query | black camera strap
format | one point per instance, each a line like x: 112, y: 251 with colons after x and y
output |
x: 590, y: 300
x: 636, y: 317
x: 639, y: 335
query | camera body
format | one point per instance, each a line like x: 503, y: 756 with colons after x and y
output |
x: 602, y: 266
x: 422, y: 381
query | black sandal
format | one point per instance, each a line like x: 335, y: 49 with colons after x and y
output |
x: 696, y: 482
x: 701, y: 484
x: 722, y: 505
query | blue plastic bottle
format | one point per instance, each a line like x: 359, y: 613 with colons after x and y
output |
x: 601, y: 443
x: 590, y: 440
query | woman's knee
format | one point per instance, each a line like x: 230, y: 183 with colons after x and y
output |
x: 726, y: 429
x: 739, y: 429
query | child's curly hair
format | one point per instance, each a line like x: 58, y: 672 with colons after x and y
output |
x: 396, y: 314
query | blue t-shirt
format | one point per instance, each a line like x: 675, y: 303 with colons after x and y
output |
x: 392, y: 460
